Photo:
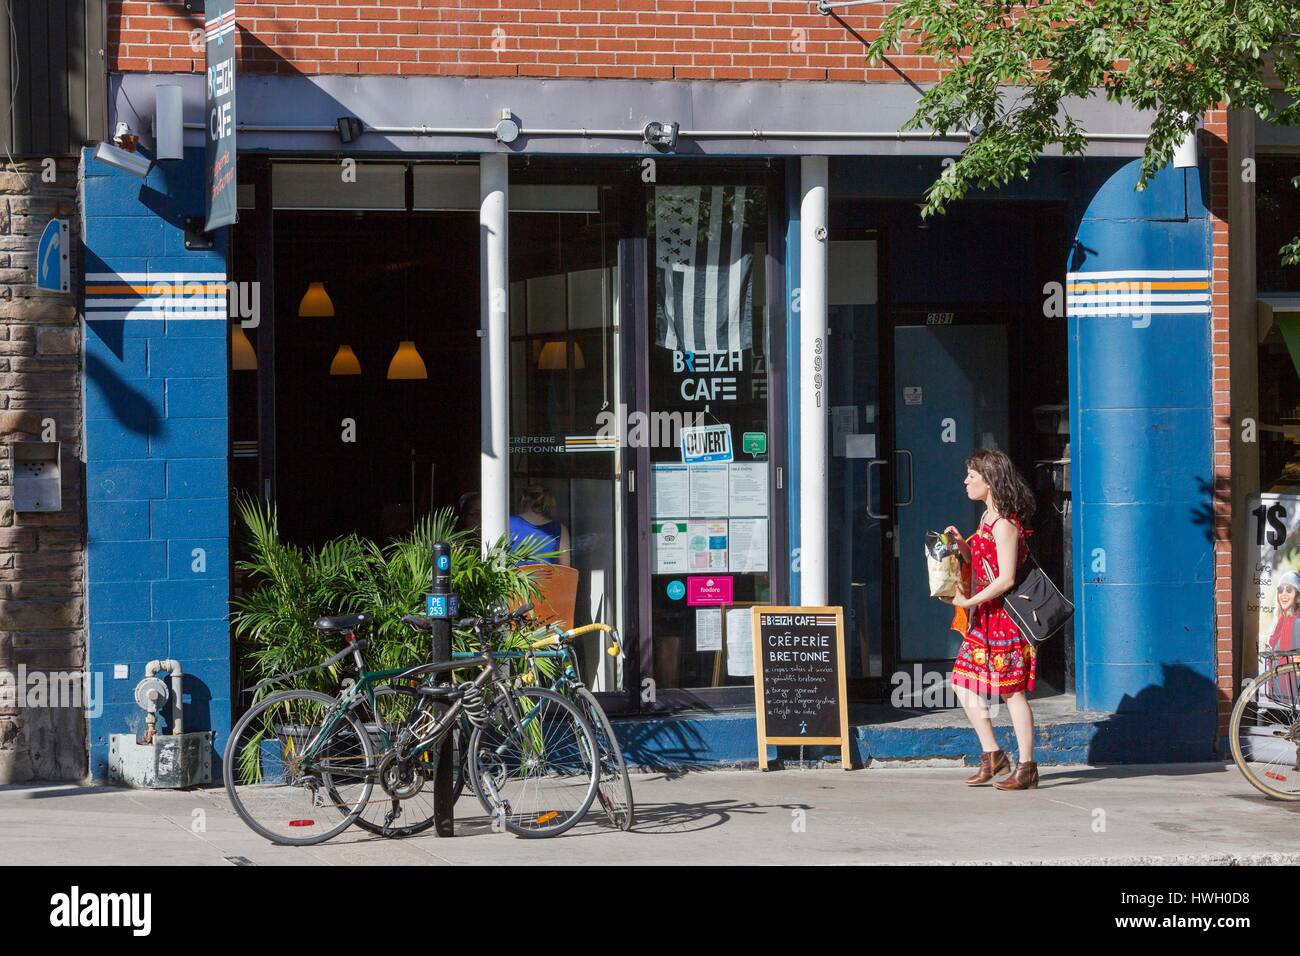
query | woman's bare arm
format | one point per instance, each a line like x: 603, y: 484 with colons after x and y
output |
x: 1007, y: 539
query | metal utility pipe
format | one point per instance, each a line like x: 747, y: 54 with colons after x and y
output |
x: 582, y: 132
x: 172, y: 667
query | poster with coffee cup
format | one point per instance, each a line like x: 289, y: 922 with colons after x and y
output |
x: 1271, y: 589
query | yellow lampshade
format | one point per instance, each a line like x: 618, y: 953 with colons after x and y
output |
x: 242, y: 356
x: 554, y: 357
x: 345, y: 362
x: 316, y: 303
x: 406, y: 362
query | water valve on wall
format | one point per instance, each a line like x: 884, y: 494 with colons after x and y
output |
x: 38, y: 481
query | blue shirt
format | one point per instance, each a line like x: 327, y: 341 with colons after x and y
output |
x: 546, y: 536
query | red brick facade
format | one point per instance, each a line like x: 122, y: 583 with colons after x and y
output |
x: 637, y: 39
x: 1215, y: 141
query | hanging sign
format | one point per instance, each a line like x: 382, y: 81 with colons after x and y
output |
x: 706, y: 443
x: 799, y: 679
x: 52, y: 257
x: 219, y: 31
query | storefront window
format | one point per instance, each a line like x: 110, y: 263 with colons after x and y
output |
x: 708, y: 431
x: 564, y: 374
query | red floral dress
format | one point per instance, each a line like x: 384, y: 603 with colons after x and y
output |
x: 994, y: 658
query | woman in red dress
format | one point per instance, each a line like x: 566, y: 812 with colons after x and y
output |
x: 995, y: 660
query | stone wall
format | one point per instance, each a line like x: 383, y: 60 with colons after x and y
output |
x: 42, y: 555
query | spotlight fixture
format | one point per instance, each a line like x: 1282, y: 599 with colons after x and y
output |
x: 350, y: 128
x: 125, y: 159
x: 661, y: 135
x: 1185, y: 151
x: 168, y: 122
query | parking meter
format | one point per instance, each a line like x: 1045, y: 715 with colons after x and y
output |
x: 441, y: 606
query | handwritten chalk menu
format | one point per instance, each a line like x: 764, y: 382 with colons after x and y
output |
x: 799, y: 681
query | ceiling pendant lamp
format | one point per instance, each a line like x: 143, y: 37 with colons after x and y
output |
x: 345, y: 362
x: 555, y: 357
x: 407, y: 363
x: 316, y: 303
x: 242, y: 356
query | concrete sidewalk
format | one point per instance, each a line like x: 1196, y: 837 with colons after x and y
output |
x: 1130, y: 814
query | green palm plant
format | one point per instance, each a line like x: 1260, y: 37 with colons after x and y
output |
x: 294, y: 586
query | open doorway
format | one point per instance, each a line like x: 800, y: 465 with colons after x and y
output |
x: 941, y: 343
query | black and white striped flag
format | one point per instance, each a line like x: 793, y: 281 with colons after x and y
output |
x: 704, y: 263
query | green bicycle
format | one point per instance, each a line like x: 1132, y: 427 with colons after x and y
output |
x: 553, y: 644
x: 302, y: 766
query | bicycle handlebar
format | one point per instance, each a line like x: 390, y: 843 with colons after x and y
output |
x: 567, y: 637
x: 496, y: 620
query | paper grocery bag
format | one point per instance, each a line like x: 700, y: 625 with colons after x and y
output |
x: 944, y: 568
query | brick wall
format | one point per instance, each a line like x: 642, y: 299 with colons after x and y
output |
x: 42, y: 557
x: 642, y: 39
x: 1215, y: 142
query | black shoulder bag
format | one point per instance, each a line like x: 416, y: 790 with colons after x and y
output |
x: 1036, y: 604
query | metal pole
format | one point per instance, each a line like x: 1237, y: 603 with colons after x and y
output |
x: 494, y: 311
x: 442, y: 609
x: 813, y: 488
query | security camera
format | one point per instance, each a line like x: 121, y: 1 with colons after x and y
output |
x: 661, y: 135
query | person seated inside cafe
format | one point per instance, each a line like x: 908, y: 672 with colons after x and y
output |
x: 535, y: 520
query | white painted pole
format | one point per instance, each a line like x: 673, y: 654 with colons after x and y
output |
x: 494, y: 280
x: 813, y: 489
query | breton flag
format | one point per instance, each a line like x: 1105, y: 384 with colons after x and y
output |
x: 704, y: 262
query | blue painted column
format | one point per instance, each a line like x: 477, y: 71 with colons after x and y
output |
x: 1143, y: 452
x: 156, y: 445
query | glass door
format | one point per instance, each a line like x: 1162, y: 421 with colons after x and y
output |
x: 710, y: 456
x: 862, y: 538
x: 568, y: 390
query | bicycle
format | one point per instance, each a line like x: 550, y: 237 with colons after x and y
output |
x: 615, y: 790
x: 299, y: 756
x: 1265, y: 728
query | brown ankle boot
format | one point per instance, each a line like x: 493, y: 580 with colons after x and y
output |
x: 1024, y: 777
x: 991, y: 764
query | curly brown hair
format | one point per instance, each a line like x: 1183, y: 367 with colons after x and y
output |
x: 1012, y: 495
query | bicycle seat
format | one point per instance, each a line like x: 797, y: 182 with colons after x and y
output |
x: 344, y: 622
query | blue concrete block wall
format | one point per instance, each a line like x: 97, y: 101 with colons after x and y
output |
x: 156, y: 450
x: 1143, y: 451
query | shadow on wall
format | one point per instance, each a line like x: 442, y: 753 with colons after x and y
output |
x: 130, y: 407
x: 1175, y: 721
x: 1218, y: 499
x: 670, y: 745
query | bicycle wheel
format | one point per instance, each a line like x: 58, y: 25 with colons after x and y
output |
x: 1265, y: 732
x: 298, y: 769
x: 615, y: 791
x: 537, y: 775
x: 401, y: 804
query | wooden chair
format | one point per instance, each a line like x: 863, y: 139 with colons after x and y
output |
x: 558, y: 598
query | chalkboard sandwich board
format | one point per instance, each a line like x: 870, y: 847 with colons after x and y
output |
x: 799, y: 678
